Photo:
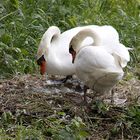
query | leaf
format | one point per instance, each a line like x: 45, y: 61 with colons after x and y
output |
x: 15, y: 3
x: 6, y: 38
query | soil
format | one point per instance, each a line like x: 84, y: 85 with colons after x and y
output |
x: 37, y: 96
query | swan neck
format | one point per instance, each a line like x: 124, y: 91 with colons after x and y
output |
x: 79, y: 38
x: 49, y: 35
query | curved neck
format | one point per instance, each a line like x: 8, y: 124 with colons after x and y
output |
x: 48, y: 37
x: 77, y: 40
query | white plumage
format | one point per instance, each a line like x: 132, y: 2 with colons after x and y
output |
x: 99, y: 65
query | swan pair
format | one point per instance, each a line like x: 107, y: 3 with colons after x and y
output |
x: 100, y: 57
x: 53, y: 52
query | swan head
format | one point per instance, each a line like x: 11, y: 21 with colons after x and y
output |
x: 42, y: 54
x: 45, y: 44
x: 42, y: 63
x: 73, y: 47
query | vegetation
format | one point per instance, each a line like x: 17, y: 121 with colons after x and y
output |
x: 29, y: 111
x: 23, y: 115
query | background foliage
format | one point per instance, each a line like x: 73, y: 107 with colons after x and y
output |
x: 23, y: 22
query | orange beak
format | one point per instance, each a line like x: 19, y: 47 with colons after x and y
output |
x: 42, y: 63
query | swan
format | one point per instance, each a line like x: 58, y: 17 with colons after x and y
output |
x: 99, y: 66
x: 52, y: 55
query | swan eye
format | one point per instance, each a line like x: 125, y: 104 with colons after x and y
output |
x: 40, y: 60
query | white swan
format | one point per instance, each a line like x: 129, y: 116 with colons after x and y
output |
x: 98, y: 67
x: 58, y: 60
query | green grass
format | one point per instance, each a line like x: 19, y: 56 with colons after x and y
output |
x: 118, y: 123
x: 22, y: 24
x: 23, y: 126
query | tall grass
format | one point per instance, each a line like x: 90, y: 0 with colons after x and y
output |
x: 23, y: 22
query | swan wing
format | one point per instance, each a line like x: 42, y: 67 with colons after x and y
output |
x: 97, y: 68
x: 95, y: 57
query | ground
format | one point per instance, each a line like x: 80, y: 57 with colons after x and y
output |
x: 32, y: 98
